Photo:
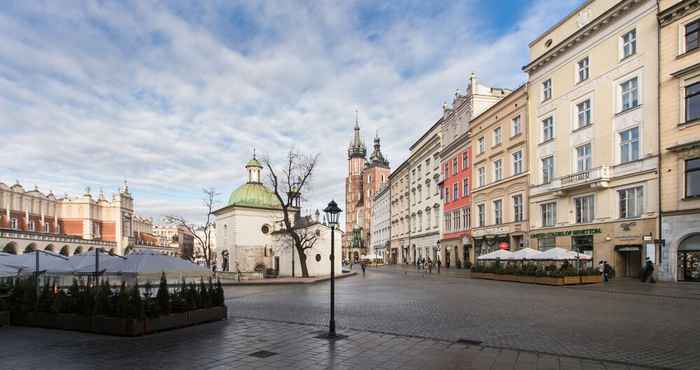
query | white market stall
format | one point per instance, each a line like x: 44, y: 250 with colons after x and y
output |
x: 148, y: 266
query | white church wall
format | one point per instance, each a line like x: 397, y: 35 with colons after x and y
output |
x: 322, y: 267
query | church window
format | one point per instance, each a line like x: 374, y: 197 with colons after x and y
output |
x: 265, y: 229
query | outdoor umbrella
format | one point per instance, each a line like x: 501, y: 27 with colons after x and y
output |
x: 86, y: 262
x: 560, y: 254
x: 525, y: 254
x: 50, y: 262
x: 153, y: 262
x: 496, y: 255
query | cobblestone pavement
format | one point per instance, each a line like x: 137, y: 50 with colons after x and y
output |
x: 232, y: 344
x: 622, y: 321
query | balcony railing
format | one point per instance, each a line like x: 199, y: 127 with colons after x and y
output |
x: 598, y: 174
x: 28, y: 235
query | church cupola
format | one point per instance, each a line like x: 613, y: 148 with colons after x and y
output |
x: 357, y: 148
x: 254, y: 167
x: 377, y: 158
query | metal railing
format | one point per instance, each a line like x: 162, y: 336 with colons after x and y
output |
x: 28, y: 235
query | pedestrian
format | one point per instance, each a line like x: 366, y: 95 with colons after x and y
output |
x: 418, y: 264
x: 606, y: 271
x: 364, y: 267
x: 649, y: 269
x: 430, y: 266
x: 438, y: 264
x: 601, y: 267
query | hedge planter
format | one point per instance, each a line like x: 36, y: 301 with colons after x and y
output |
x: 4, y: 318
x: 115, y: 325
x: 543, y: 280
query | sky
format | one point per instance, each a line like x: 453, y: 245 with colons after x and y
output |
x: 174, y: 96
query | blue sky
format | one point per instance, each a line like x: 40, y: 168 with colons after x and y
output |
x: 173, y: 96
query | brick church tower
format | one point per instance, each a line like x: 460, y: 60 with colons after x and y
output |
x: 364, y: 179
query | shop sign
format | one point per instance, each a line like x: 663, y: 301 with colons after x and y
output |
x: 499, y: 230
x: 566, y: 233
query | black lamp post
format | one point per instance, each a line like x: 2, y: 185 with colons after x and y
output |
x: 332, y: 213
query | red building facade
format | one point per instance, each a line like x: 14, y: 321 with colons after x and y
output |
x: 456, y: 190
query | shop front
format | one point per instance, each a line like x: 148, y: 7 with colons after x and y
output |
x: 454, y: 251
x: 689, y: 259
x: 489, y: 239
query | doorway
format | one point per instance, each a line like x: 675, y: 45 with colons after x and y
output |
x: 631, y: 260
x: 689, y: 265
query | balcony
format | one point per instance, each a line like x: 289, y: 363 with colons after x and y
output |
x: 595, y: 178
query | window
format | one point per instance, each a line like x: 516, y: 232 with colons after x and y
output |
x: 582, y: 69
x: 482, y: 215
x: 631, y: 202
x: 427, y: 189
x: 454, y: 166
x: 546, y: 89
x: 630, y: 94
x: 13, y: 223
x: 420, y: 170
x: 457, y: 220
x: 518, y: 207
x: 455, y: 191
x: 427, y: 164
x: 497, y: 136
x: 583, y: 111
x: 583, y: 158
x: 466, y: 212
x: 497, y: 170
x: 498, y: 211
x: 482, y: 145
x: 549, y: 213
x: 447, y: 195
x: 482, y: 176
x: 47, y: 227
x: 547, y: 129
x: 369, y: 178
x: 448, y: 221
x: 447, y: 170
x: 465, y: 186
x: 692, y: 177
x: 629, y: 145
x: 465, y: 161
x: 32, y: 225
x: 517, y: 126
x: 547, y: 169
x: 629, y: 43
x: 420, y: 194
x: 692, y: 35
x: 427, y: 218
x: 547, y: 243
x: 517, y: 162
x: 692, y: 102
x: 585, y: 209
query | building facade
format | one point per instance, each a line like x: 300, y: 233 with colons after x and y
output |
x: 679, y: 48
x: 593, y: 108
x: 381, y: 225
x: 425, y: 206
x: 500, y: 175
x: 400, y: 214
x: 365, y: 177
x: 30, y: 220
x: 455, y: 160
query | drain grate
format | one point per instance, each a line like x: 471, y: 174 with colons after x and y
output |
x: 262, y: 354
x: 469, y: 341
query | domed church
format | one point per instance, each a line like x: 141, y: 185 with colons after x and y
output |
x: 250, y: 233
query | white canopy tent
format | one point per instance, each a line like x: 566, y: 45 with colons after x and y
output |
x: 148, y: 266
x: 525, y: 254
x: 8, y: 271
x: 500, y: 254
x: 86, y: 262
x: 561, y: 254
x: 49, y: 262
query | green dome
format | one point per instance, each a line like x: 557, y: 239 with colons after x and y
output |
x: 253, y: 195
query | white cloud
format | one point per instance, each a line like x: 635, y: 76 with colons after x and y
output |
x: 94, y: 94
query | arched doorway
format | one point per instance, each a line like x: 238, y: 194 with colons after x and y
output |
x: 78, y: 250
x: 65, y: 250
x: 50, y: 248
x: 30, y: 248
x: 112, y: 252
x: 689, y: 258
x: 10, y: 248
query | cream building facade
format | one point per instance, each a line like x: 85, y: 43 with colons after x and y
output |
x: 500, y: 172
x: 593, y: 108
x: 425, y: 205
x: 381, y: 224
x: 679, y: 48
x: 400, y: 214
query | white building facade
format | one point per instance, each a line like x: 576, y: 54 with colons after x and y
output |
x: 381, y: 223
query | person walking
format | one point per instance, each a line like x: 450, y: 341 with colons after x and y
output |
x: 364, y: 267
x: 438, y: 265
x: 606, y: 271
x: 430, y: 266
x: 649, y: 271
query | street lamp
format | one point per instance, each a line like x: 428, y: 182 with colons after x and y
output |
x: 332, y: 213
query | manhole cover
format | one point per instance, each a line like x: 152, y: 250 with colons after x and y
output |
x: 262, y: 354
x: 469, y: 341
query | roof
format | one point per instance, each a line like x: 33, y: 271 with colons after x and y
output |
x: 254, y: 195
x: 253, y: 163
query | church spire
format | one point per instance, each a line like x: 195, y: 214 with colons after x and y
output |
x: 377, y: 158
x: 357, y: 147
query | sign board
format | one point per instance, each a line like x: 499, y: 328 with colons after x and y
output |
x: 499, y: 230
x: 567, y: 233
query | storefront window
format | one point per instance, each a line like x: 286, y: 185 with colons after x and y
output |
x: 547, y: 243
x: 582, y: 244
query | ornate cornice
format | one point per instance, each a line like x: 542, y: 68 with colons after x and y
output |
x: 582, y: 34
x: 677, y: 11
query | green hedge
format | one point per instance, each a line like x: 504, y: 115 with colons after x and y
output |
x: 533, y: 269
x: 122, y: 301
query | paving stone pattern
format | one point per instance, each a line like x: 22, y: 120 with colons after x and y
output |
x: 624, y: 321
x: 260, y: 344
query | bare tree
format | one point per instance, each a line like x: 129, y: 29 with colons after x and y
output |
x: 203, y: 233
x: 288, y: 183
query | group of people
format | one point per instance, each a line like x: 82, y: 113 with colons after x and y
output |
x: 646, y: 274
x: 427, y: 264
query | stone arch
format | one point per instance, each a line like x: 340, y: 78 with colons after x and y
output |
x: 31, y: 247
x: 65, y: 250
x: 10, y: 248
x: 112, y: 251
x: 78, y: 250
x: 50, y: 248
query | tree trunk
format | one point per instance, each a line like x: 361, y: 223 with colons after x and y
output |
x: 302, y: 262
